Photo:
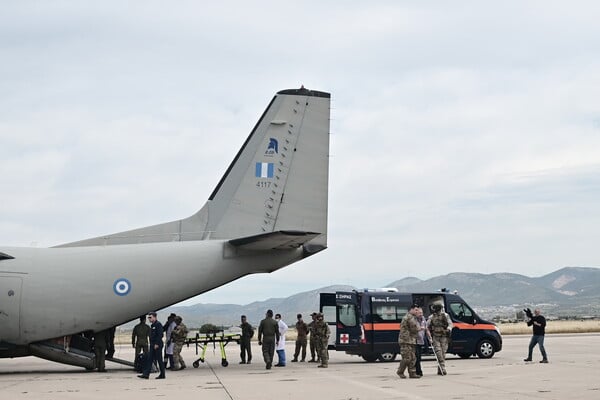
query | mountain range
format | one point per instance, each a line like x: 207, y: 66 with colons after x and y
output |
x: 567, y: 292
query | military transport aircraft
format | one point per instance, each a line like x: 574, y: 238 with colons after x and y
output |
x: 268, y: 210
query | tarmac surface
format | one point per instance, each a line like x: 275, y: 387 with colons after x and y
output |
x: 572, y: 373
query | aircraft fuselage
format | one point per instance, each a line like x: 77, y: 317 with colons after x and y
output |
x: 91, y: 288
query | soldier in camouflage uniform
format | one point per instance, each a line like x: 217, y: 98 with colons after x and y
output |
x: 407, y: 339
x: 179, y: 335
x: 313, y: 339
x: 440, y: 328
x: 302, y: 331
x: 322, y: 332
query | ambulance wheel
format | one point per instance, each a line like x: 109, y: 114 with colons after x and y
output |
x: 387, y: 357
x: 485, y: 349
x: 224, y: 363
x: 370, y: 357
x: 464, y: 355
x: 196, y: 364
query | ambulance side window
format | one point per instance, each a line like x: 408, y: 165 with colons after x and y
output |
x: 461, y: 312
x: 329, y: 314
x: 385, y: 313
x: 401, y: 312
x: 347, y: 314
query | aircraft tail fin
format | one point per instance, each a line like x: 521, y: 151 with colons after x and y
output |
x: 278, y: 181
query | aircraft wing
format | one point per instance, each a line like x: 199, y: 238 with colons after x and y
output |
x: 280, y: 240
x: 4, y: 256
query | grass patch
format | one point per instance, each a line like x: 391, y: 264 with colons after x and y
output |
x: 559, y: 326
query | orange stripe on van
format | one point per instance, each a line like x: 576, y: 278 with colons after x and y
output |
x: 395, y: 326
x: 462, y: 325
x: 382, y: 326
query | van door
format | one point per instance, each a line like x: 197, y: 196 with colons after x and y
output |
x: 465, y: 334
x: 348, y: 331
x: 327, y: 306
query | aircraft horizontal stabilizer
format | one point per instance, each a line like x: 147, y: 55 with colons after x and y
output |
x: 280, y: 240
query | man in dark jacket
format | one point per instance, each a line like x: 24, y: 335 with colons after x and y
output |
x: 156, y: 348
x: 538, y: 322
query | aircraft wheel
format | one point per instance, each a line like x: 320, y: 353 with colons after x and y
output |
x: 387, y: 357
x: 485, y: 349
x: 224, y: 363
x: 196, y: 364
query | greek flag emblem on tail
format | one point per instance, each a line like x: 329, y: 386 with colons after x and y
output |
x: 264, y: 170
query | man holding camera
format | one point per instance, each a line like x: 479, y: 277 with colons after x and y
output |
x: 538, y: 322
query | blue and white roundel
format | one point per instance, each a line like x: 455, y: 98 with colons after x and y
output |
x: 122, y: 287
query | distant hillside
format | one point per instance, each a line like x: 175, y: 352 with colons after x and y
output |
x: 573, y: 281
x: 229, y: 314
x: 487, y: 290
x: 570, y: 291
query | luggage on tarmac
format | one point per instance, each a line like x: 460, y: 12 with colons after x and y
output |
x: 139, y: 362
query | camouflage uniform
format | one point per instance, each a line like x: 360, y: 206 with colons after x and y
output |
x: 440, y: 330
x: 179, y: 336
x: 313, y: 341
x: 407, y: 339
x: 302, y: 330
x: 322, y: 332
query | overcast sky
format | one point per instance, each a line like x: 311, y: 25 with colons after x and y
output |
x: 465, y: 136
